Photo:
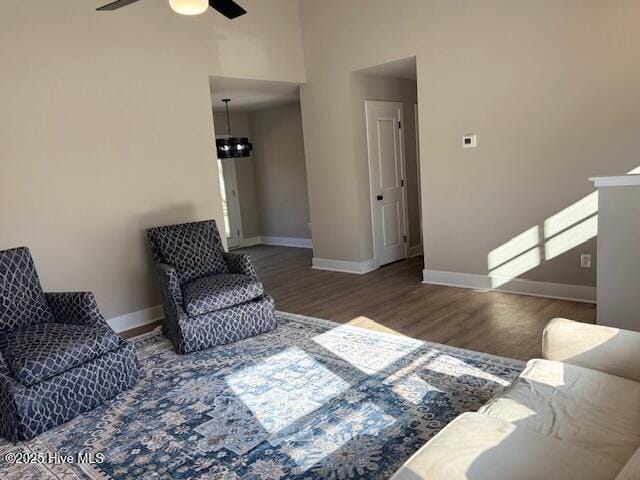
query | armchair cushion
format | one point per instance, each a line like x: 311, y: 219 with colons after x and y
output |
x: 194, y: 249
x: 240, y: 263
x: 22, y: 301
x: 210, y: 294
x: 78, y: 308
x: 38, y: 352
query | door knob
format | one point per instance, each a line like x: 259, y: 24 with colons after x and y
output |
x: 380, y: 197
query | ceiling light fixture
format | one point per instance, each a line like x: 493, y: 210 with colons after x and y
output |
x: 189, y: 7
x: 232, y: 147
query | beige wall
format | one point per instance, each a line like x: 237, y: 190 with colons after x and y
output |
x: 106, y: 129
x: 280, y: 172
x: 373, y: 87
x: 244, y: 171
x: 550, y: 87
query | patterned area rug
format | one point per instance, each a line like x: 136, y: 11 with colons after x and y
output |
x: 310, y: 400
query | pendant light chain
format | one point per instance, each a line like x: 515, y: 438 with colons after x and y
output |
x: 226, y: 102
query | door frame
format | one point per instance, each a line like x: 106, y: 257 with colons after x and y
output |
x: 418, y: 170
x: 403, y: 175
x: 233, y: 207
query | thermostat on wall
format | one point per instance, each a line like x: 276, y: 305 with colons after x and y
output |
x: 470, y: 141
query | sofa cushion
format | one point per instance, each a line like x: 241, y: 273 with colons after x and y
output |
x: 192, y: 248
x: 606, y: 349
x: 216, y: 292
x: 478, y: 447
x: 593, y: 410
x: 22, y: 302
x: 38, y: 352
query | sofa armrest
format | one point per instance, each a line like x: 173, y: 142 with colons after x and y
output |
x: 480, y: 447
x: 78, y: 308
x: 606, y: 349
x: 240, y: 263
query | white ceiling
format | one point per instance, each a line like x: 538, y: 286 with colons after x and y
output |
x: 251, y: 95
x: 405, y: 68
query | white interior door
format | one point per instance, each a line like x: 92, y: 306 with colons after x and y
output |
x: 386, y: 175
x: 230, y: 202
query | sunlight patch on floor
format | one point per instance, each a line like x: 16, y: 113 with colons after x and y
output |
x: 364, y: 322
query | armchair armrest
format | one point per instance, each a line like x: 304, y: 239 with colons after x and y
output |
x: 606, y: 349
x: 9, y: 391
x: 240, y: 263
x: 78, y: 308
x: 174, y: 314
x: 170, y: 288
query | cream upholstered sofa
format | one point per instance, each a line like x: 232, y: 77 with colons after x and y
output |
x: 575, y: 414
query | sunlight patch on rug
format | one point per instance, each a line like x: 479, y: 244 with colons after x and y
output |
x: 348, y: 344
x: 285, y: 387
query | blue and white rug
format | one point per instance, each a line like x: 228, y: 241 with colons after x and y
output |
x: 310, y: 400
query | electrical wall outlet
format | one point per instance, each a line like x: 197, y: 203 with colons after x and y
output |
x: 585, y: 260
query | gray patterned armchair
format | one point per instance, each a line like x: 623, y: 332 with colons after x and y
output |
x: 211, y: 297
x: 58, y: 356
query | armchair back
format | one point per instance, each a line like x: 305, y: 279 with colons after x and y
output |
x: 194, y: 249
x: 22, y: 301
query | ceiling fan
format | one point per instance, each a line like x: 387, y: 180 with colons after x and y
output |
x: 228, y: 8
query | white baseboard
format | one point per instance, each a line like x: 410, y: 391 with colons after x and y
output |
x: 415, y: 251
x: 576, y: 293
x: 251, y: 241
x: 136, y: 319
x: 287, y: 242
x: 344, y: 266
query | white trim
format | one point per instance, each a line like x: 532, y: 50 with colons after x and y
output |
x: 415, y: 251
x: 287, y: 242
x: 576, y: 293
x: 136, y: 319
x: 618, y: 181
x: 250, y: 242
x: 277, y: 241
x: 229, y: 175
x: 417, y: 135
x: 344, y: 266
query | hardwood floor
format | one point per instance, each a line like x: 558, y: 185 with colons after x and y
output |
x: 394, y: 299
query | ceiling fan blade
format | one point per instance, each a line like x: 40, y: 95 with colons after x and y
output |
x: 117, y: 4
x: 228, y: 8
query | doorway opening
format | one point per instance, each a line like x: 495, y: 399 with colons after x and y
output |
x: 386, y: 95
x: 264, y: 194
